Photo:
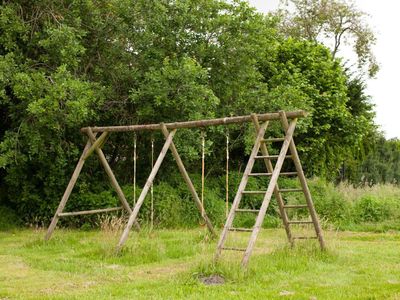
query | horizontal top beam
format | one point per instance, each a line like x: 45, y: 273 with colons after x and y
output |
x: 199, y: 123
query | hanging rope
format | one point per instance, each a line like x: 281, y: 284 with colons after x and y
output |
x: 227, y: 176
x: 203, y: 146
x: 151, y: 188
x: 134, y: 168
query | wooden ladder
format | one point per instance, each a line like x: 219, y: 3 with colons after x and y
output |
x: 273, y: 188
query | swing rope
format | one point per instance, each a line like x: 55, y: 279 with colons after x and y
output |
x: 151, y: 188
x: 227, y: 176
x: 134, y: 168
x: 203, y: 145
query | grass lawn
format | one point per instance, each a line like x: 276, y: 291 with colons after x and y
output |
x: 166, y: 264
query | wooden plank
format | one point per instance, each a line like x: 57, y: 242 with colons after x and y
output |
x: 295, y: 206
x: 68, y: 191
x: 272, y: 140
x: 247, y: 210
x: 254, y: 192
x: 290, y: 190
x: 271, y: 156
x: 268, y: 195
x: 303, y: 182
x: 89, y: 212
x: 301, y: 222
x: 111, y: 176
x: 234, y: 249
x: 149, y: 182
x: 198, y: 123
x: 242, y: 186
x: 240, y: 229
x: 188, y: 182
x: 269, y: 174
x: 278, y: 196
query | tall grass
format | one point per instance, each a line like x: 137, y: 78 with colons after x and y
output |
x: 342, y: 206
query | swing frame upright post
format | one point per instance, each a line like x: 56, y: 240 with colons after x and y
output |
x: 168, y: 130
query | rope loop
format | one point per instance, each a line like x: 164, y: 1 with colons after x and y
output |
x: 134, y: 167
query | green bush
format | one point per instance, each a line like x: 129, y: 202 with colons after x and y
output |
x: 329, y: 203
x: 372, y: 209
x: 8, y: 218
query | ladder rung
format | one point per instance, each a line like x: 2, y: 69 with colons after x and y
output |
x: 290, y: 190
x: 233, y: 248
x: 271, y: 156
x: 300, y: 222
x: 295, y: 206
x: 247, y: 210
x: 288, y: 173
x: 281, y: 139
x: 260, y: 174
x: 254, y: 192
x: 269, y: 174
x: 304, y: 237
x: 240, y: 229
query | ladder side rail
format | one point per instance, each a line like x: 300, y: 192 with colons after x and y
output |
x: 241, y: 188
x: 268, y: 194
x: 278, y: 196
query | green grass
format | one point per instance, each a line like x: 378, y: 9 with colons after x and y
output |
x: 166, y: 264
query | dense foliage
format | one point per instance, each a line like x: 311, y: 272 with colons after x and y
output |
x: 68, y: 64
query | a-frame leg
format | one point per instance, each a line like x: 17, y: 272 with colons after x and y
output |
x: 68, y: 191
x: 189, y: 183
x: 150, y: 179
x: 278, y: 196
x: 303, y: 182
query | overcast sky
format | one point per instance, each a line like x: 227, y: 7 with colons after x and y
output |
x: 385, y: 89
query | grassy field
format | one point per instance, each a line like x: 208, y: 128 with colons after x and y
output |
x: 167, y: 264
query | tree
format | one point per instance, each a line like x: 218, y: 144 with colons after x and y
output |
x: 334, y: 22
x: 302, y: 74
x: 69, y: 64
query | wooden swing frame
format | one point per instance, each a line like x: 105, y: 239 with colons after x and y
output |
x: 168, y: 130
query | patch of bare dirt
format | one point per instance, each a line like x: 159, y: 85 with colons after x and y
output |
x: 212, y: 280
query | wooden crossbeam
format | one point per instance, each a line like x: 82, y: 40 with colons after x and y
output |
x: 198, y: 123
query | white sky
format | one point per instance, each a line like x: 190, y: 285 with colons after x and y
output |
x: 385, y: 89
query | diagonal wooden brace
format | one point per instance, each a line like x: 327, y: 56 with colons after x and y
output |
x: 189, y: 183
x: 149, y: 182
x: 68, y: 191
x: 111, y: 175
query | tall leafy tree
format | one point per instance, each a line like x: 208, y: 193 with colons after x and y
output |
x: 332, y: 22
